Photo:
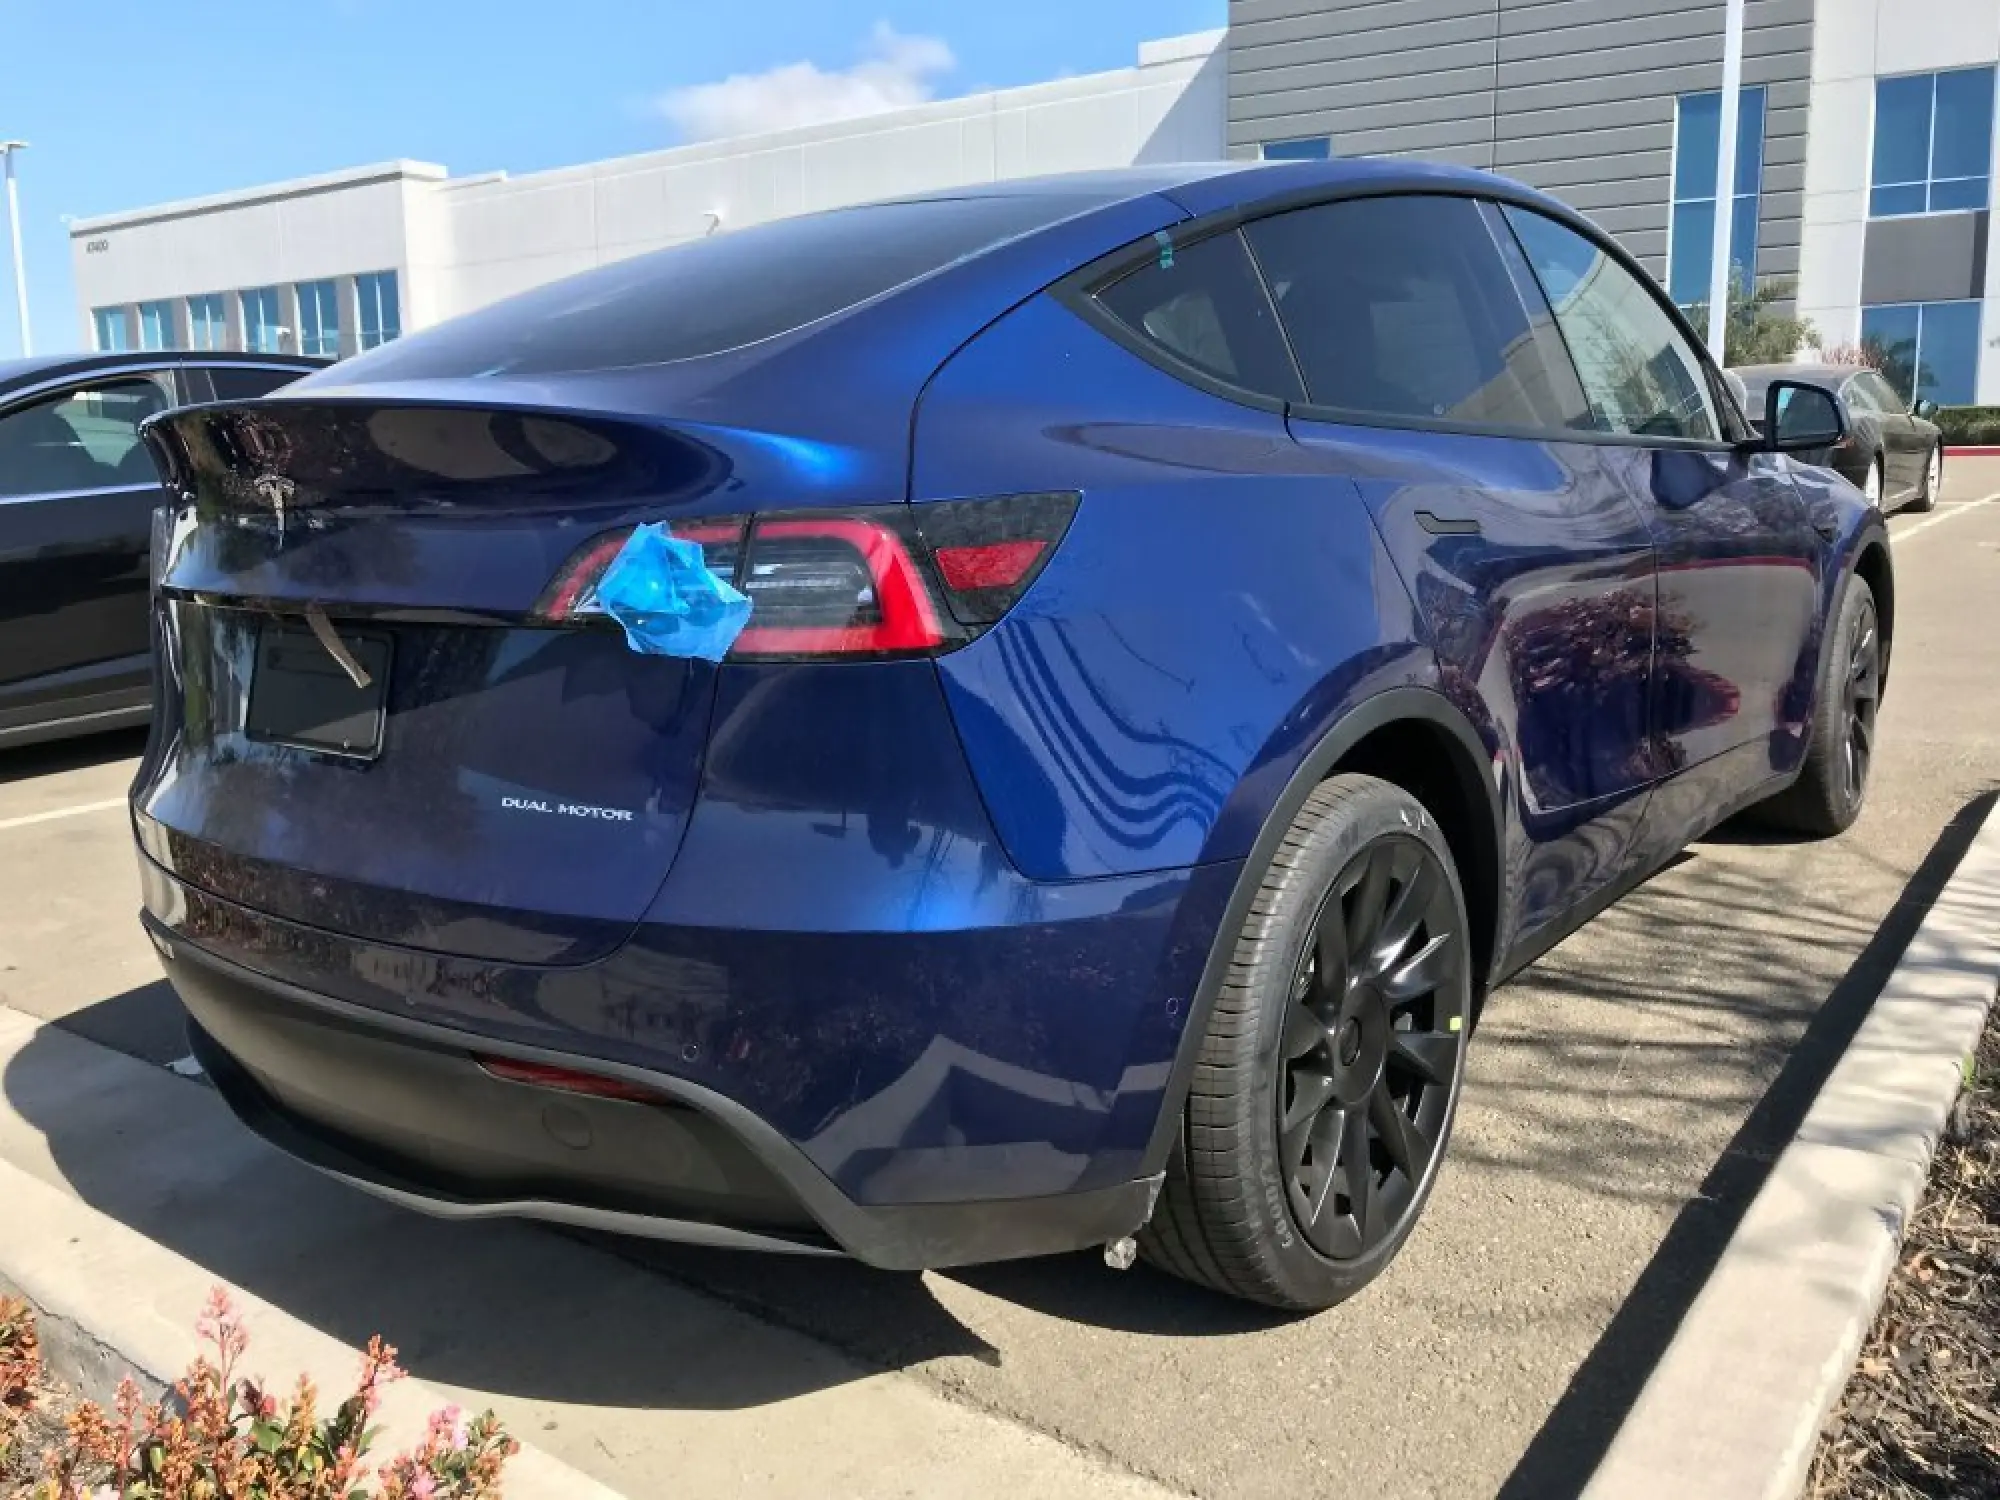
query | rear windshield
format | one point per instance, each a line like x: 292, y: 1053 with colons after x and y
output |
x: 712, y: 294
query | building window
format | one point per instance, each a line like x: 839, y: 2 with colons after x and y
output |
x: 1307, y: 148
x: 1926, y: 349
x: 263, y: 331
x: 112, y: 334
x: 381, y: 318
x: 1933, y: 143
x: 156, y: 325
x: 208, y: 322
x: 1697, y: 152
x: 319, y: 319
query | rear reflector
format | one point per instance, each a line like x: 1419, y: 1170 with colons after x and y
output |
x: 889, y: 581
x: 568, y: 1081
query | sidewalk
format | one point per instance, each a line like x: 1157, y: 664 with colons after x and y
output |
x: 641, y: 1385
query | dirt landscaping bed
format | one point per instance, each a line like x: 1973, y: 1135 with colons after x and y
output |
x: 1921, y: 1415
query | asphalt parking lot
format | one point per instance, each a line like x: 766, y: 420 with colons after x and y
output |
x: 1625, y: 1098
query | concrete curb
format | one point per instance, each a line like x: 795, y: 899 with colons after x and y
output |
x: 110, y: 1302
x: 1735, y: 1408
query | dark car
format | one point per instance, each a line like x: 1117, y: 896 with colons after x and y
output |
x: 77, y: 495
x: 980, y: 725
x: 1893, y: 453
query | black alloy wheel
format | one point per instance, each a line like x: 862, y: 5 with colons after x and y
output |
x: 1861, y: 694
x: 1331, y: 1059
x: 1370, y: 1049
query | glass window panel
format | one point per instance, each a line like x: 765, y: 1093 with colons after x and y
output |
x: 1742, y: 244
x: 109, y: 326
x: 1962, y: 138
x: 1698, y: 145
x: 1311, y: 148
x: 1692, y: 252
x: 1903, y: 129
x: 1750, y: 141
x: 1206, y: 306
x: 1957, y: 192
x: 156, y: 325
x: 1888, y: 202
x: 1640, y: 375
x: 1948, y: 352
x: 1403, y: 308
x: 319, y: 319
x: 1889, y: 338
x: 261, y: 328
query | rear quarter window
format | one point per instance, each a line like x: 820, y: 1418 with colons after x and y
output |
x: 1204, y: 306
x: 716, y: 294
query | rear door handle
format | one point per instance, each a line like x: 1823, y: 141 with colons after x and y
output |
x: 1438, y: 525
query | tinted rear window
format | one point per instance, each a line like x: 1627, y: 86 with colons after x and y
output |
x: 713, y: 294
x: 1205, y: 305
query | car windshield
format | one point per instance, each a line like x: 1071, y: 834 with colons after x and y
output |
x: 715, y: 294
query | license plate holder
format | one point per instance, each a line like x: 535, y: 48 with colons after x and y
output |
x: 300, y: 696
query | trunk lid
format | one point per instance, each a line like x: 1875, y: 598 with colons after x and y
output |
x: 531, y: 784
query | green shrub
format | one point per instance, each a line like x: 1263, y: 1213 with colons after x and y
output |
x: 1970, y: 426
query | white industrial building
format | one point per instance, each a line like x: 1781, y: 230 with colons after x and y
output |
x: 340, y: 262
x: 1866, y: 144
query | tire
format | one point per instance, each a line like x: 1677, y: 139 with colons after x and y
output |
x: 1830, y: 791
x: 1927, y: 498
x: 1876, y: 483
x: 1300, y: 1027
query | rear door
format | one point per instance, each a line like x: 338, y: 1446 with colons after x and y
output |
x: 1906, y: 450
x: 1445, y: 396
x: 77, y: 493
x: 1738, y: 561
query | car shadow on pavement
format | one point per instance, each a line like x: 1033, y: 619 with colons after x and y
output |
x: 1571, y: 1442
x: 529, y: 1311
x: 31, y: 761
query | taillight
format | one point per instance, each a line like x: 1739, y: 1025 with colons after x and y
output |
x: 893, y: 580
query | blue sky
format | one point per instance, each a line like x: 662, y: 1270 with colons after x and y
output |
x: 202, y: 96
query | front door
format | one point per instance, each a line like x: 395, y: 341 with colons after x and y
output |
x: 1738, y: 561
x: 77, y: 494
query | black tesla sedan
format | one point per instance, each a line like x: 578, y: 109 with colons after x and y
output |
x: 77, y: 494
x: 1893, y: 452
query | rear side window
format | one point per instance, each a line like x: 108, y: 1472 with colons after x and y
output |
x: 86, y: 438
x: 1402, y: 307
x: 1204, y: 305
x: 713, y: 294
x: 246, y: 383
x: 1640, y: 375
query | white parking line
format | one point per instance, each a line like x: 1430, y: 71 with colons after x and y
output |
x: 1937, y: 520
x: 61, y: 812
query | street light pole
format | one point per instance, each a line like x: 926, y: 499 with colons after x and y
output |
x: 1725, y: 183
x: 7, y: 150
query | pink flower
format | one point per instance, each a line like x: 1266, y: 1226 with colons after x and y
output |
x: 422, y: 1487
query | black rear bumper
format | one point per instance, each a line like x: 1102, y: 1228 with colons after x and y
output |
x: 402, y: 1109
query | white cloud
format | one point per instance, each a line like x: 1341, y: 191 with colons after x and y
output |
x: 895, y: 70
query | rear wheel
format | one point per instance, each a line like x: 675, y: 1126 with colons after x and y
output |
x: 1331, y: 1066
x: 1927, y: 497
x: 1827, y: 797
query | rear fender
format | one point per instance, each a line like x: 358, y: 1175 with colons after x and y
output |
x: 1473, y: 756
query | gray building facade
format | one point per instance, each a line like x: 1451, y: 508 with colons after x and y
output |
x: 1865, y: 148
x: 1578, y: 97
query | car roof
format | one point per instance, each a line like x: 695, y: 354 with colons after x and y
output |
x: 15, y: 373
x: 1204, y: 187
x: 1820, y: 372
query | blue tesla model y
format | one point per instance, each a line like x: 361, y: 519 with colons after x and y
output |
x: 1005, y: 721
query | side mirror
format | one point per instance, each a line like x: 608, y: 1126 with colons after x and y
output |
x: 1799, y: 418
x: 1925, y: 408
